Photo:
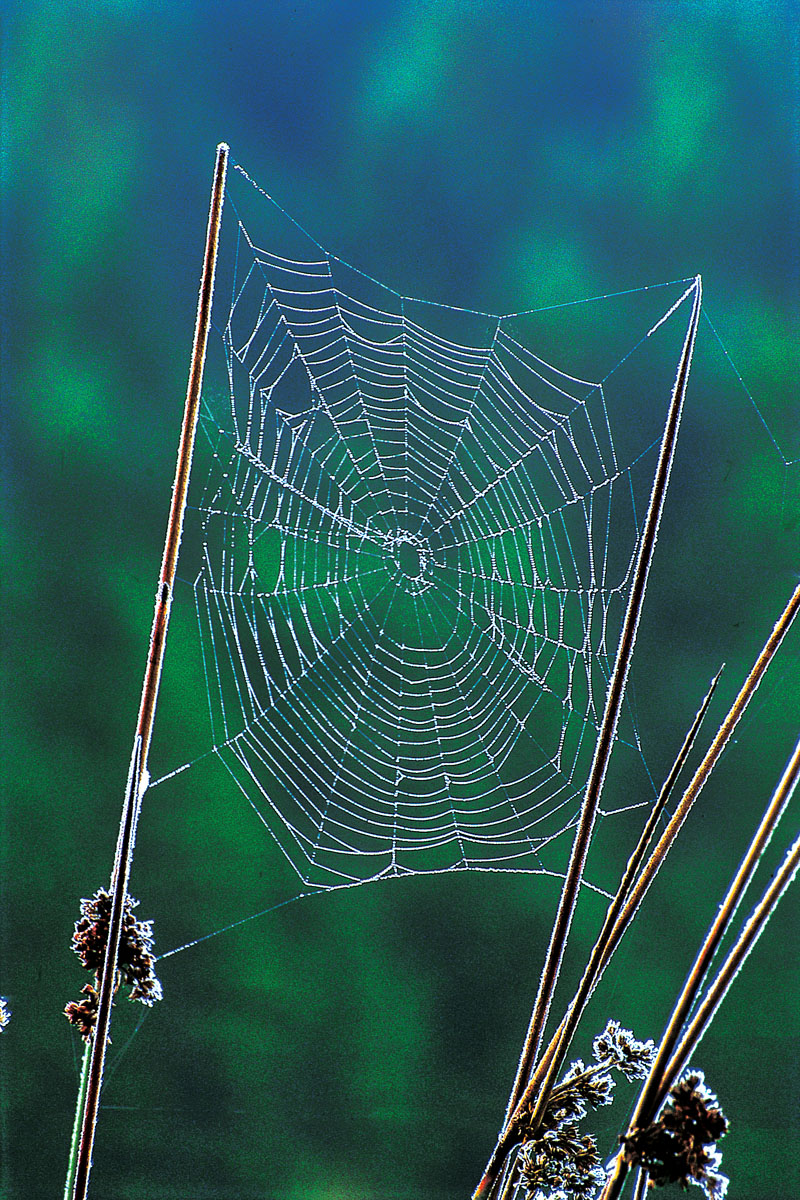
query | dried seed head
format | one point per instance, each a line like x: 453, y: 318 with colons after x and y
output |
x: 136, y: 962
x: 680, y: 1146
x: 557, y: 1161
x: 135, y: 965
x: 598, y: 1090
x: 562, y: 1162
x: 696, y: 1109
x: 83, y: 1013
x: 618, y: 1048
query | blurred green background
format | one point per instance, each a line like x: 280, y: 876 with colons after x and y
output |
x: 497, y: 156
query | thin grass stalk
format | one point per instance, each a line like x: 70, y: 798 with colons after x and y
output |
x: 716, y: 931
x: 738, y: 953
x: 614, y: 698
x: 91, y: 1094
x: 509, y: 1179
x: 640, y: 1187
x: 72, y: 1164
x: 667, y: 1064
x: 512, y: 1178
x: 137, y: 776
x: 733, y: 963
x: 721, y: 739
x: 605, y: 739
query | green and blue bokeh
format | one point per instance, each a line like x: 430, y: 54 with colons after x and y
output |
x: 498, y: 156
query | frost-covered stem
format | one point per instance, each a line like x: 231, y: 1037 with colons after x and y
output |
x: 605, y: 740
x: 614, y: 698
x: 509, y: 1180
x: 76, y: 1125
x: 611, y: 933
x: 696, y: 784
x: 137, y: 777
x: 649, y: 871
x: 710, y: 944
x: 666, y: 1065
x: 640, y: 1187
x: 738, y: 953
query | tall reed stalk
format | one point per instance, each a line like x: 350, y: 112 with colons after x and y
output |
x: 604, y: 744
x: 89, y: 1096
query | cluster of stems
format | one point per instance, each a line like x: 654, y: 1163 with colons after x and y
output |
x: 682, y: 1034
x: 537, y: 1072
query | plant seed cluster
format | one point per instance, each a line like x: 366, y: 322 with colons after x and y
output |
x: 557, y: 1161
x: 136, y: 964
x: 680, y: 1147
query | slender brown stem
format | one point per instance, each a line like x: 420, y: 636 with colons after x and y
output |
x: 605, y: 739
x: 137, y: 776
x: 668, y: 1064
x: 749, y: 935
x: 611, y: 934
x: 608, y: 727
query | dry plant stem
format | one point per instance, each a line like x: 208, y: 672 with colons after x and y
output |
x: 656, y: 859
x: 540, y: 1084
x: 137, y: 777
x: 695, y: 786
x: 91, y: 1093
x: 709, y: 947
x: 640, y: 1187
x: 728, y: 971
x: 616, y: 691
x: 667, y: 1065
x: 509, y: 1179
x: 76, y: 1127
x: 605, y: 739
x: 610, y: 934
x: 512, y: 1178
x: 503, y: 1179
x: 746, y: 941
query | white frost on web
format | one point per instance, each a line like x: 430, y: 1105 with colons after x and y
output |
x: 406, y: 601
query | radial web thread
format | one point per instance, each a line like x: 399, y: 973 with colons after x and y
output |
x: 414, y: 556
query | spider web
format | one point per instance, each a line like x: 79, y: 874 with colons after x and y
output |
x: 415, y: 541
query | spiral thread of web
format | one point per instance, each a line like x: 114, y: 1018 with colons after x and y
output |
x: 407, y: 602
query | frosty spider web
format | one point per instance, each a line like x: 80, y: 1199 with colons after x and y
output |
x: 417, y: 538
